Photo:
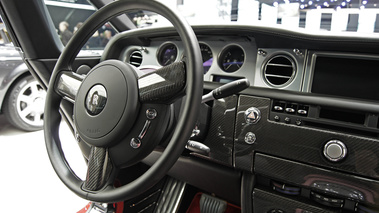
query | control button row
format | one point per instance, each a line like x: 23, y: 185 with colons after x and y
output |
x: 290, y: 108
x: 328, y: 201
x: 288, y: 120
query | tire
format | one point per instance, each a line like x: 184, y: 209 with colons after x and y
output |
x: 24, y: 104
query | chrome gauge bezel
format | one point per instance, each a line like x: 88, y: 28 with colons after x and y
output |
x: 163, y: 48
x: 222, y: 55
x: 212, y: 55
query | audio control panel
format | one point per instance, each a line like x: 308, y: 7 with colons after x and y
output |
x: 316, y: 116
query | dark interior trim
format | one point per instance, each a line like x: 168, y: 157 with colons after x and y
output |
x: 224, y: 182
x: 247, y: 185
x: 306, y: 98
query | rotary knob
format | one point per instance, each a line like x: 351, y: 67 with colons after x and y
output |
x: 252, y: 115
x: 335, y: 150
x: 250, y: 138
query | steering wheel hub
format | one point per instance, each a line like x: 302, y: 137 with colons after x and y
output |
x: 96, y: 99
x: 107, y: 100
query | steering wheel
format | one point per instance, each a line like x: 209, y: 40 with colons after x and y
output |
x: 120, y: 114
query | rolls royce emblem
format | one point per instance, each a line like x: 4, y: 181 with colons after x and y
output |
x: 96, y: 99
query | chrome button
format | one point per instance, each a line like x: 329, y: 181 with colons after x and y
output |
x: 278, y: 108
x: 250, y: 138
x: 252, y: 115
x: 135, y: 143
x: 290, y: 110
x: 151, y: 114
x: 335, y: 150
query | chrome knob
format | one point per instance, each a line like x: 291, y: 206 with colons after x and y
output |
x: 250, y: 138
x: 151, y: 114
x: 335, y: 150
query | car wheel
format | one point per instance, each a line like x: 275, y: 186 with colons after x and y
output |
x: 24, y: 104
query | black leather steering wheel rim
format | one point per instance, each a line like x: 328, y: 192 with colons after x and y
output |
x: 187, y: 119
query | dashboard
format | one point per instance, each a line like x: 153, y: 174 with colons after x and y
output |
x: 307, y: 127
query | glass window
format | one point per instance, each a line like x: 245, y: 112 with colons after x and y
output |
x: 333, y: 16
x: 69, y: 15
x: 314, y: 16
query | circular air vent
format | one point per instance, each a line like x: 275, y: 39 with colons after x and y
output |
x: 279, y: 70
x: 135, y: 58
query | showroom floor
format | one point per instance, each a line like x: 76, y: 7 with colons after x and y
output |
x: 28, y: 182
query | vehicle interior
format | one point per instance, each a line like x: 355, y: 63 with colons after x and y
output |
x: 207, y: 118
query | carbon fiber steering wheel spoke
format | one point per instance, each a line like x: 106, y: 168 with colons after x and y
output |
x: 164, y: 85
x: 99, y: 169
x: 68, y: 85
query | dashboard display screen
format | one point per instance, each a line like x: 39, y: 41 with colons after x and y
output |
x: 347, y: 77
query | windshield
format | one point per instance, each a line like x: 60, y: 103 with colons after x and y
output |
x: 334, y: 16
x: 356, y: 17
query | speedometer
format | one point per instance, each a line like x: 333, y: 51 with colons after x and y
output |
x: 207, y: 55
x: 232, y: 58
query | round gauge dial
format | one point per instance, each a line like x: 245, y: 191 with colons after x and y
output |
x: 207, y: 55
x: 167, y: 54
x: 232, y: 58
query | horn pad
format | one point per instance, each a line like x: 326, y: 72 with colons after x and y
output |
x: 107, y: 103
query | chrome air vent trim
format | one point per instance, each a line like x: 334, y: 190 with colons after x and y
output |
x: 279, y: 70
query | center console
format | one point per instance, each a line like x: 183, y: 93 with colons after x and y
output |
x: 304, y: 160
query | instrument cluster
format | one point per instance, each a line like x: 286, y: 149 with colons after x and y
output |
x: 229, y: 60
x: 224, y: 60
